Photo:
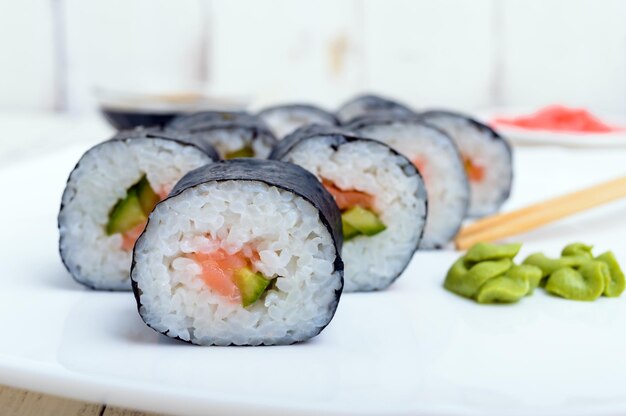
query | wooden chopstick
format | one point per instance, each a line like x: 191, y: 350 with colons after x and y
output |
x: 525, y: 219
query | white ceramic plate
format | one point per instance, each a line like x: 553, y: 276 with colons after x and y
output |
x: 412, y: 350
x: 522, y: 136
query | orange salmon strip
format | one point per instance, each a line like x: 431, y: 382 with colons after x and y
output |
x: 475, y: 173
x: 348, y: 199
x: 218, y: 269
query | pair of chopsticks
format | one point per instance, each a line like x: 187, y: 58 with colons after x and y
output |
x: 533, y: 216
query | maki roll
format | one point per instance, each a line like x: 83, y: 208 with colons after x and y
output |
x: 284, y: 119
x: 487, y: 158
x: 367, y: 105
x: 437, y: 158
x: 380, y: 194
x: 109, y: 195
x: 233, y: 134
x: 243, y: 252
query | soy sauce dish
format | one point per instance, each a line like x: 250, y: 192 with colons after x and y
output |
x: 129, y: 110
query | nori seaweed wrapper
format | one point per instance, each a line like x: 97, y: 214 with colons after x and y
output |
x: 380, y: 117
x: 305, y: 132
x: 205, y: 120
x: 326, y: 115
x: 390, y: 118
x: 482, y: 127
x: 372, y: 104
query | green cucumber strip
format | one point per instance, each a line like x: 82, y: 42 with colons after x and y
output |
x: 246, y: 151
x: 251, y: 285
x: 147, y: 197
x: 126, y: 214
x: 363, y: 220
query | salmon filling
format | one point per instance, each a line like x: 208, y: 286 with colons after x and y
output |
x: 357, y: 215
x: 218, y: 269
x: 232, y: 276
x: 475, y: 173
x: 348, y: 199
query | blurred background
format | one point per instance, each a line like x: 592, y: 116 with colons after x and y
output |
x: 467, y: 55
x: 457, y: 53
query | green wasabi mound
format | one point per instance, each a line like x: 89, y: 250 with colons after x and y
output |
x: 487, y: 274
x: 577, y: 249
x: 483, y: 274
x: 510, y: 287
x: 616, y: 283
x: 465, y: 279
x: 577, y: 275
x: 486, y: 251
x: 533, y: 274
x: 586, y: 283
x: 456, y: 275
x: 549, y: 265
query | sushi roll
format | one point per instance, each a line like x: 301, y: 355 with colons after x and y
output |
x: 109, y: 195
x: 284, y: 119
x: 367, y: 105
x: 487, y: 157
x: 380, y: 194
x: 233, y: 134
x: 437, y: 158
x: 242, y: 252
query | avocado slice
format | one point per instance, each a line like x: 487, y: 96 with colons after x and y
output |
x: 251, y: 285
x: 246, y: 151
x: 147, y: 197
x: 363, y: 220
x: 349, y: 231
x: 126, y: 214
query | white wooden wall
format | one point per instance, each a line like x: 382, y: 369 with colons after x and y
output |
x: 460, y: 53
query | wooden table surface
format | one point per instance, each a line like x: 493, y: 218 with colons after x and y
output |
x: 15, y: 402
